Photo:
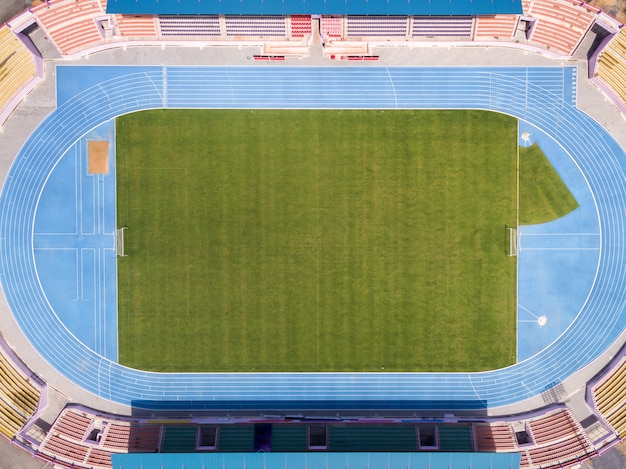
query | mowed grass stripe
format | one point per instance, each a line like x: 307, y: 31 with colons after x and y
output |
x: 543, y: 194
x: 316, y: 240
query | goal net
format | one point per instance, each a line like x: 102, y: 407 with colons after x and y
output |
x: 511, y: 241
x: 119, y: 242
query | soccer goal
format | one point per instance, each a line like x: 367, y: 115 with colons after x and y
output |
x: 511, y: 241
x: 119, y: 242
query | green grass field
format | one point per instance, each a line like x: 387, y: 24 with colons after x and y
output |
x: 543, y: 194
x: 316, y: 240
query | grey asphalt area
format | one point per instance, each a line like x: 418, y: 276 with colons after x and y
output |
x: 13, y: 457
x: 10, y: 8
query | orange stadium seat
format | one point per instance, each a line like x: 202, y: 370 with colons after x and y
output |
x: 71, y: 24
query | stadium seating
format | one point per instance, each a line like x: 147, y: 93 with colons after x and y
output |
x: 570, y: 451
x: 609, y: 397
x: 98, y: 457
x: 455, y: 438
x: 553, y: 427
x: 495, y: 437
x: 17, y: 66
x: 300, y: 25
x: 372, y: 438
x: 256, y: 26
x: 62, y: 449
x: 19, y: 398
x: 179, y: 439
x: 331, y: 27
x: 386, y: 26
x: 289, y: 438
x: 75, y: 25
x: 442, y: 27
x: 135, y: 27
x: 85, y: 439
x: 560, y: 25
x: 131, y: 437
x: 611, y: 66
x: 236, y: 438
x: 81, y: 438
x: 74, y: 425
x: 189, y: 26
x: 555, y: 439
x: 71, y: 24
x: 558, y: 440
x: 495, y: 27
x: 65, y: 440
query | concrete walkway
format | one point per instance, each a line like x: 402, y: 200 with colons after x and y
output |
x: 10, y: 8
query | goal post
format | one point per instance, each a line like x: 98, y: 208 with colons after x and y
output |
x: 119, y: 242
x: 510, y: 241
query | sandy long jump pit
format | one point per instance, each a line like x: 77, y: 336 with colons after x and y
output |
x: 98, y: 156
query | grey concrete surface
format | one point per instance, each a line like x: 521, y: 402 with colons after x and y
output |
x: 10, y: 8
x: 614, y: 459
x: 13, y: 457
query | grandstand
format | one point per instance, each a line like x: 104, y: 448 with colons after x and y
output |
x: 20, y: 396
x: 559, y: 25
x: 552, y: 429
x: 72, y: 25
x: 19, y: 70
x: 611, y: 65
x: 75, y: 28
x: 81, y: 437
x: 609, y: 398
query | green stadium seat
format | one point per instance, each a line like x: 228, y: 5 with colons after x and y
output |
x: 289, y: 438
x: 372, y: 438
x: 454, y: 438
x: 236, y: 438
x: 179, y: 439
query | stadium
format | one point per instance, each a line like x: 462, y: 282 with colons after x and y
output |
x: 312, y: 234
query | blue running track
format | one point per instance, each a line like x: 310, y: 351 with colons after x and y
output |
x: 538, y: 96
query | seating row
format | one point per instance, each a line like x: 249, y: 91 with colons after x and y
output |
x: 498, y: 27
x: 19, y: 398
x: 553, y: 427
x: 132, y: 437
x: 331, y: 26
x: 257, y: 26
x: 73, y: 425
x: 495, y: 437
x: 17, y: 66
x: 363, y: 26
x: 300, y: 25
x: 554, y: 439
x: 71, y: 24
x: 611, y: 68
x: 442, y: 26
x: 189, y: 26
x: 69, y: 454
x: 136, y: 26
x: 564, y: 453
x: 560, y: 24
x: 609, y: 396
x: 81, y: 438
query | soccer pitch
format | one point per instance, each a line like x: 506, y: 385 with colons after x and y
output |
x: 316, y: 240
